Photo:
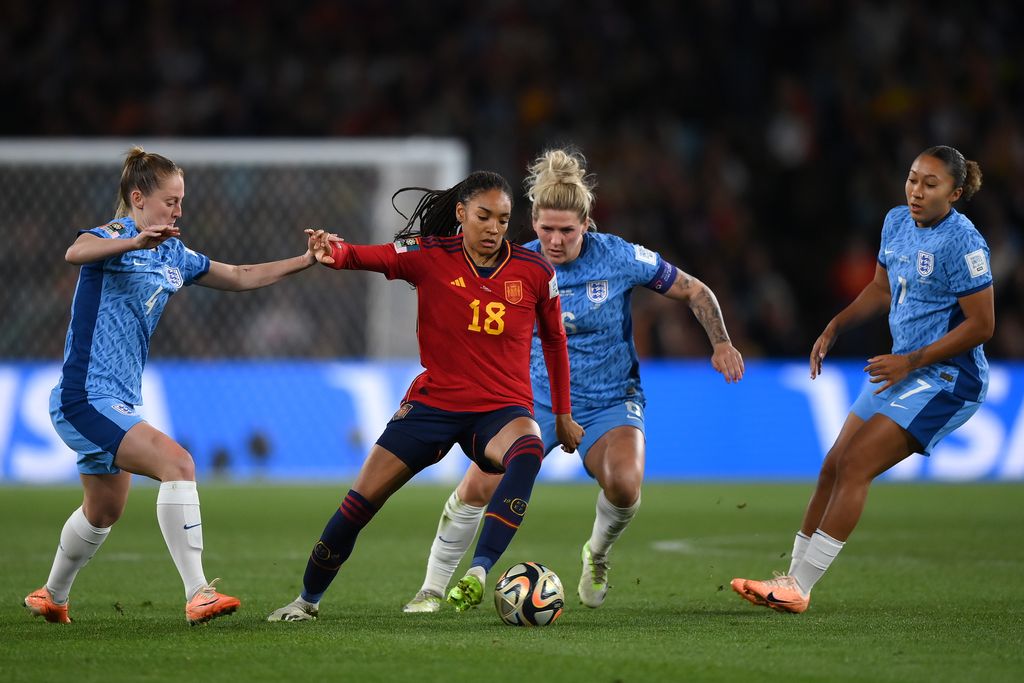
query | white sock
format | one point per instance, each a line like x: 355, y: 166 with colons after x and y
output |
x: 457, y: 527
x: 799, y: 549
x: 609, y: 523
x: 479, y: 572
x: 177, y: 511
x: 302, y: 602
x: 79, y: 541
x: 821, y: 551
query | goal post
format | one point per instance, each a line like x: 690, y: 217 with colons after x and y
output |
x: 246, y: 201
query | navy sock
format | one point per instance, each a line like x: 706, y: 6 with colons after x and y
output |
x: 508, y: 505
x: 335, y: 545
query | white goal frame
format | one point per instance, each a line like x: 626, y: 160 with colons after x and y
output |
x: 401, y: 162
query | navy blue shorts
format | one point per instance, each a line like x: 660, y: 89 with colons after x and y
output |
x: 421, y: 435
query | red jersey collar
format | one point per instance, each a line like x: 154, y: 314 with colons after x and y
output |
x: 502, y: 260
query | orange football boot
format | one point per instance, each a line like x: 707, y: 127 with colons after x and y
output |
x: 208, y: 604
x: 782, y: 594
x: 740, y: 586
x: 41, y: 604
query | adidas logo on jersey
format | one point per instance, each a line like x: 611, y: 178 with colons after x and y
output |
x: 458, y: 282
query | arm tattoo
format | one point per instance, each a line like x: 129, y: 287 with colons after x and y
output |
x: 709, y: 314
x: 914, y: 357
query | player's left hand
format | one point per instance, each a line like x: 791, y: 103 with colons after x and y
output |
x: 319, y: 245
x: 728, y: 361
x: 312, y: 244
x: 570, y: 433
x: 888, y: 369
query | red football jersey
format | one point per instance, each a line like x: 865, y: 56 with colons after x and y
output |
x: 474, y: 331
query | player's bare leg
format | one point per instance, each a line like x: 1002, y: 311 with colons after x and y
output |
x: 517, y: 449
x: 382, y: 474
x: 617, y: 462
x: 874, y: 448
x: 104, y: 499
x: 456, y: 529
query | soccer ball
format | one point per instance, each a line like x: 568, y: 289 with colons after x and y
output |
x: 529, y: 594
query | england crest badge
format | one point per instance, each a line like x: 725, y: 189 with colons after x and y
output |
x: 597, y: 291
x: 925, y: 263
x: 173, y: 276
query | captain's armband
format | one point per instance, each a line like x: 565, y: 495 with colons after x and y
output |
x: 663, y: 279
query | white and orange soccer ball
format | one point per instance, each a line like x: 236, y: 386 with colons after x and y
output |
x: 529, y: 594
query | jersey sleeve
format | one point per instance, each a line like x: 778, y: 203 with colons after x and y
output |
x: 967, y: 265
x: 553, y: 343
x: 396, y: 260
x: 193, y: 265
x: 641, y: 266
x: 112, y: 230
x: 887, y: 228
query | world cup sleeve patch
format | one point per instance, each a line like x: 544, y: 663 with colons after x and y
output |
x: 645, y: 255
x: 977, y: 264
x: 407, y: 245
x: 113, y: 229
x: 553, y: 287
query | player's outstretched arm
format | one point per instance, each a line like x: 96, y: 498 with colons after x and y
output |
x: 872, y: 300
x: 322, y: 245
x: 89, y: 248
x: 231, y: 278
x: 725, y: 358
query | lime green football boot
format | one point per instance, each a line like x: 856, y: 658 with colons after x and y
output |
x: 468, y: 592
x: 593, y: 579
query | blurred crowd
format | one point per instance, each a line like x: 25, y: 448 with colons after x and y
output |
x: 757, y: 145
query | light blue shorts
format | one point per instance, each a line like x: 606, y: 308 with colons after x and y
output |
x: 595, y: 421
x: 923, y: 404
x: 92, y: 427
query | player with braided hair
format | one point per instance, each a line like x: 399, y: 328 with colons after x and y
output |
x: 597, y: 273
x: 479, y: 299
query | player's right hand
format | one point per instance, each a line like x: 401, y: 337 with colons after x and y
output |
x: 155, y: 235
x: 569, y: 432
x: 822, y: 345
x: 320, y: 242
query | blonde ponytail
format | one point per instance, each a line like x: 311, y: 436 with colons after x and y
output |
x: 558, y: 180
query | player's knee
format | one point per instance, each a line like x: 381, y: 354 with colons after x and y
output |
x: 850, y: 470
x: 179, y: 466
x: 622, y: 492
x: 827, y: 474
x: 477, y: 494
x: 103, y: 514
x: 102, y: 519
x: 477, y: 487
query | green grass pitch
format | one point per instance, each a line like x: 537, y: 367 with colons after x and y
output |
x: 925, y: 591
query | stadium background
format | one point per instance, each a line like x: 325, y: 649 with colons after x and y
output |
x: 756, y: 145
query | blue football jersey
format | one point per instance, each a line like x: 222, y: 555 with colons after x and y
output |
x: 117, y: 304
x: 929, y: 268
x: 596, y: 290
